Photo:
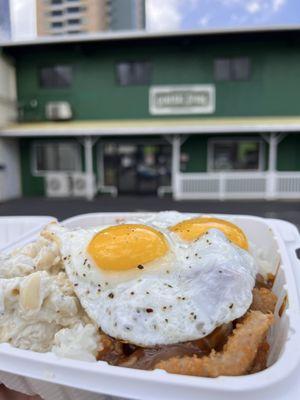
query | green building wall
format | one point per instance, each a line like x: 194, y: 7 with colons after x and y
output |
x: 289, y: 153
x: 272, y: 90
x: 273, y: 87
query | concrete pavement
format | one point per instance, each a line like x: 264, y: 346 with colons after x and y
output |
x: 64, y: 208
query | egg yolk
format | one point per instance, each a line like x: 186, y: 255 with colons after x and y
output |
x: 127, y: 246
x: 192, y: 229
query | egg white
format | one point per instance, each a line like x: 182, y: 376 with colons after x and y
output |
x: 183, y: 296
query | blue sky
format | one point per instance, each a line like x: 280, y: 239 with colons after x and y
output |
x: 205, y: 14
x: 168, y: 15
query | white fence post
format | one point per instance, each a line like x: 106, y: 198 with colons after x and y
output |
x: 88, y: 158
x: 222, y: 185
x: 176, y: 181
x: 271, y: 176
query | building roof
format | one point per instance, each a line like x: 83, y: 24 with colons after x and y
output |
x: 143, y: 34
x: 154, y: 127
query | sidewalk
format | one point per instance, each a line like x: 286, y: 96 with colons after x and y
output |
x: 64, y: 208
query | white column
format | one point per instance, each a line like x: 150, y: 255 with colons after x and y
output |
x: 176, y: 166
x: 88, y: 158
x: 272, y: 166
x: 273, y: 152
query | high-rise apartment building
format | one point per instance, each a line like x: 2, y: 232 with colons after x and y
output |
x: 126, y: 14
x: 61, y: 17
x: 58, y: 17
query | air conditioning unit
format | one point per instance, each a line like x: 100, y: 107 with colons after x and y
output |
x: 58, y: 111
x: 80, y: 182
x: 57, y: 185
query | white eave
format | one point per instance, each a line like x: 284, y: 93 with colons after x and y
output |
x: 173, y: 126
x: 144, y: 34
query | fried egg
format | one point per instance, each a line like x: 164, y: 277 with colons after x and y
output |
x: 156, y: 283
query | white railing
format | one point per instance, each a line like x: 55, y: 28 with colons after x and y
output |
x: 288, y: 185
x: 237, y: 185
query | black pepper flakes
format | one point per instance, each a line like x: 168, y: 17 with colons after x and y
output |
x: 140, y: 266
x: 231, y: 305
x: 149, y: 310
x: 132, y: 293
x: 111, y: 295
x: 84, y: 275
x: 195, y: 316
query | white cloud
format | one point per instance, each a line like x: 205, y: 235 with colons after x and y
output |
x: 23, y: 19
x: 278, y: 4
x: 166, y: 15
x: 203, y: 21
x: 163, y: 15
x: 253, y: 7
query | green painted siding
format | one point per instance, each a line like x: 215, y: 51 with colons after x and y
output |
x: 196, y: 149
x: 273, y: 88
x: 31, y: 185
x: 289, y: 153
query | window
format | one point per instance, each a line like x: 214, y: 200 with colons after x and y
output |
x: 74, y: 32
x: 56, y: 13
x: 232, y: 69
x: 134, y: 73
x: 56, y: 25
x: 56, y: 2
x: 58, y: 76
x: 73, y: 9
x: 74, y: 21
x: 236, y: 154
x: 56, y: 156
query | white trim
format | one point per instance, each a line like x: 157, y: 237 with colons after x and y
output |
x: 144, y: 34
x: 33, y: 160
x: 155, y: 129
x: 211, y: 142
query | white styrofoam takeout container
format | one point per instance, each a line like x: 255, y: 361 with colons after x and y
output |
x: 59, y: 379
x: 15, y: 229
